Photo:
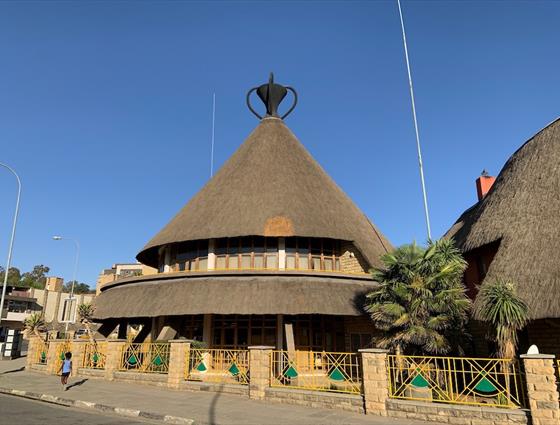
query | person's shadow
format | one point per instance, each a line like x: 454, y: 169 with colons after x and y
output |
x: 76, y: 384
x: 13, y: 371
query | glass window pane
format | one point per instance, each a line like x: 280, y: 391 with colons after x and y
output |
x: 258, y: 244
x: 290, y: 261
x: 271, y: 245
x: 233, y: 262
x: 328, y: 247
x: 221, y: 262
x: 203, y: 263
x: 303, y: 245
x: 271, y: 261
x: 270, y: 337
x: 290, y: 244
x: 182, y: 266
x: 220, y: 246
x: 246, y: 245
x: 245, y: 261
x: 316, y: 246
x: 259, y: 261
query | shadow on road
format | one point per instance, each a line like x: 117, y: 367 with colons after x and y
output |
x: 77, y: 384
x: 13, y: 371
x: 212, y: 410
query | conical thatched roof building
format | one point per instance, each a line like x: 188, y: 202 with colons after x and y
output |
x: 513, y: 232
x: 270, y: 247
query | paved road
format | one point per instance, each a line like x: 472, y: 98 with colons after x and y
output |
x: 16, y: 410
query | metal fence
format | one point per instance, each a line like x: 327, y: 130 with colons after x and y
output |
x: 459, y: 380
x: 95, y: 355
x: 318, y: 371
x: 147, y: 357
x: 213, y: 365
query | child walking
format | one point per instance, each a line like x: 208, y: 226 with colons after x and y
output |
x: 66, y: 368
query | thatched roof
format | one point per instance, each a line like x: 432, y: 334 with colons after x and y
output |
x: 271, y: 186
x: 522, y: 213
x: 241, y: 293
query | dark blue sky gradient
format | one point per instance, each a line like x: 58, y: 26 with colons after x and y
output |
x: 105, y: 107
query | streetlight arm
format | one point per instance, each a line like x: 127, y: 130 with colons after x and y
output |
x: 12, y: 237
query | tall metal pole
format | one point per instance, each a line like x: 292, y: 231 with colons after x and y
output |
x: 415, y: 126
x: 8, y: 263
x: 58, y: 238
x: 213, y: 125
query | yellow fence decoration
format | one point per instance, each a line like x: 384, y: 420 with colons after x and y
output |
x: 213, y: 365
x: 95, y: 355
x: 459, y: 380
x: 319, y: 371
x: 61, y: 350
x: 145, y: 357
x: 41, y: 351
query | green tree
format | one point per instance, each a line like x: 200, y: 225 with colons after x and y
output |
x: 79, y: 288
x: 34, y: 324
x: 498, y: 304
x: 420, y: 305
x: 85, y: 314
x: 36, y: 278
x: 14, y: 276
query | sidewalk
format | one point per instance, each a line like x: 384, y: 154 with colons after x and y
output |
x: 203, y: 408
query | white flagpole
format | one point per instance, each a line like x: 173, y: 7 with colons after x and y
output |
x: 213, y: 125
x: 415, y: 125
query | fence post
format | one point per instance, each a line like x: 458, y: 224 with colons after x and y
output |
x: 113, y: 357
x: 78, y: 349
x: 375, y: 380
x: 259, y: 370
x: 541, y: 388
x: 52, y: 360
x: 178, y: 361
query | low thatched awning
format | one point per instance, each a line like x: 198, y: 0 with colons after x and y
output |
x: 257, y: 293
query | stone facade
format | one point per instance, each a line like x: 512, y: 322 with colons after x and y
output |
x: 352, y: 260
x: 542, y: 391
x: 347, y: 402
x: 178, y: 353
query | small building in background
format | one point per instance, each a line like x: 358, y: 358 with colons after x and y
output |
x: 121, y: 271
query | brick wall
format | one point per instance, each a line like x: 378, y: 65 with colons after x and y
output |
x: 352, y: 260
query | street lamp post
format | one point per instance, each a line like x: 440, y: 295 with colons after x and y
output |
x: 59, y: 238
x: 11, y: 238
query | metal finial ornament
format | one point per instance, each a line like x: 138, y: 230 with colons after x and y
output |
x: 272, y: 94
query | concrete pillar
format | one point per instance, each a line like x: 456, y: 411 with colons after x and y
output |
x: 113, y: 359
x: 282, y: 253
x: 167, y: 260
x: 375, y: 380
x: 178, y: 362
x: 211, y: 254
x: 259, y: 370
x: 279, y: 331
x: 541, y: 388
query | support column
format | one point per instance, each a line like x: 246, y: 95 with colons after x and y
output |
x: 541, y: 388
x: 207, y: 330
x: 211, y: 254
x: 178, y: 362
x: 123, y: 328
x: 113, y: 359
x: 167, y: 261
x: 259, y: 369
x: 282, y: 253
x: 279, y: 331
x: 375, y: 380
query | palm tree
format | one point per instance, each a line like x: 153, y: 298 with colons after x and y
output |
x: 85, y: 314
x: 497, y: 303
x: 420, y: 305
x: 34, y: 324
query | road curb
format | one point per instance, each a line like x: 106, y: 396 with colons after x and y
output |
x: 88, y: 405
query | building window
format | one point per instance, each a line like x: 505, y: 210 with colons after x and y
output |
x: 246, y: 253
x: 191, y: 256
x: 312, y: 254
x: 240, y: 331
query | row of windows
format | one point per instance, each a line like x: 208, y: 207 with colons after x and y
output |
x: 258, y: 253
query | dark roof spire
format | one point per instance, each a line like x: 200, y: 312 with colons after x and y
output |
x: 271, y: 95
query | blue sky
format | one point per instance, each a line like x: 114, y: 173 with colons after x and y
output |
x: 105, y: 108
